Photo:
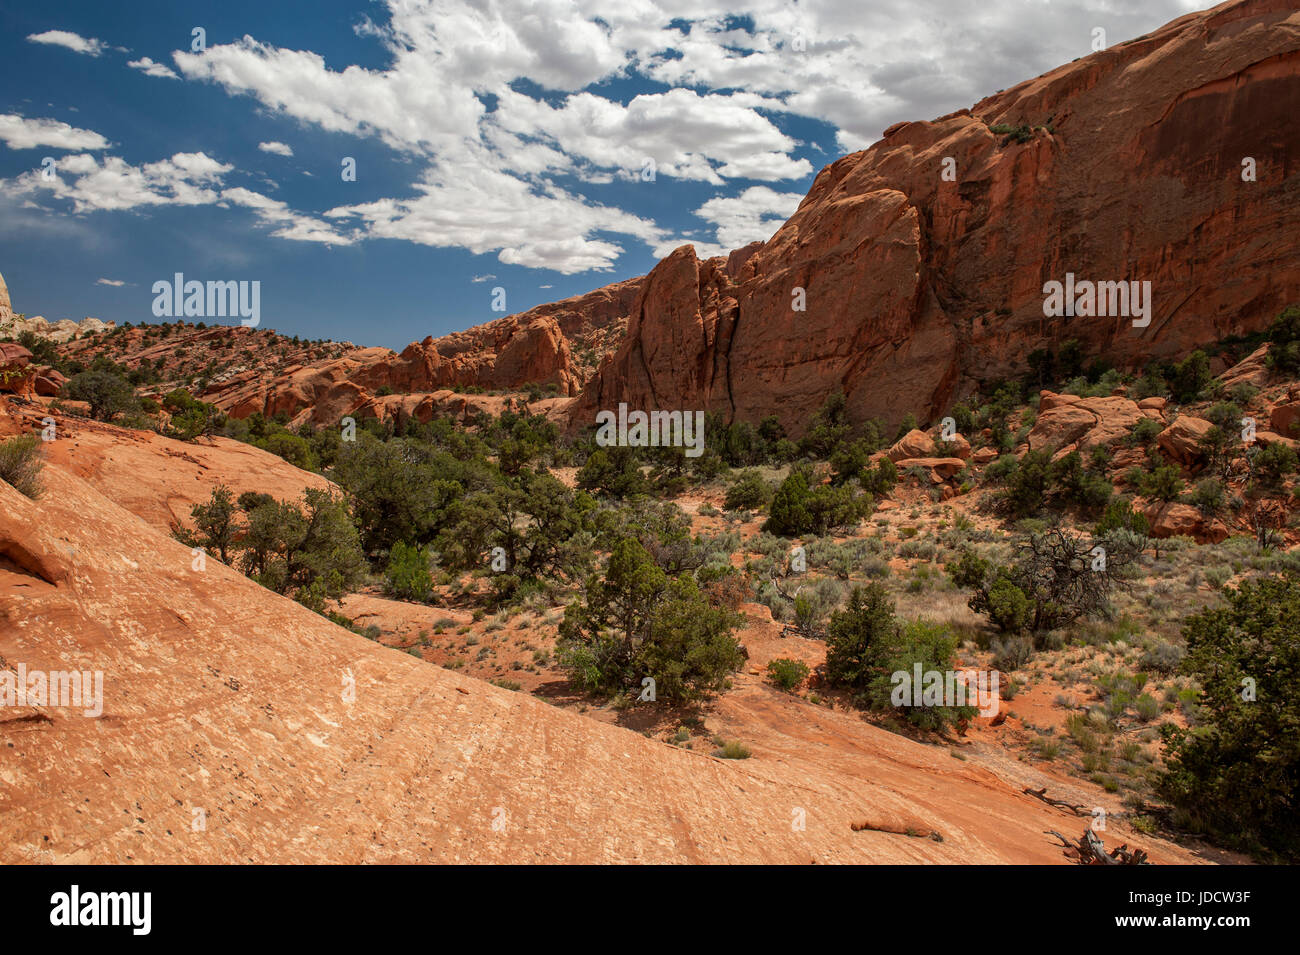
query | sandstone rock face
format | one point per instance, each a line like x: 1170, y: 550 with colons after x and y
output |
x: 533, y: 347
x: 1285, y: 417
x: 941, y: 469
x: 63, y: 330
x: 1181, y: 440
x: 1251, y: 370
x: 916, y: 287
x: 6, y: 307
x: 1183, y: 520
x: 16, y: 372
x: 1071, y: 423
x: 914, y: 444
x: 49, y: 382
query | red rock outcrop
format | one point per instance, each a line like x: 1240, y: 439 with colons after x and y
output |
x: 16, y: 371
x: 1181, y: 441
x: 533, y: 347
x: 1070, y: 423
x: 916, y: 287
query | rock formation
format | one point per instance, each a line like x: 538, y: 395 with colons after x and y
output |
x: 1130, y: 169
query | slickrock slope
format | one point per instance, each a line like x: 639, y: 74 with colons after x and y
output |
x: 229, y: 734
x: 915, y: 286
x: 158, y: 479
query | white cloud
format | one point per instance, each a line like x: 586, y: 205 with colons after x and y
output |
x: 115, y: 283
x: 278, y: 149
x: 288, y: 224
x: 749, y: 217
x: 18, y: 132
x: 152, y: 68
x: 482, y: 209
x: 185, y: 179
x: 501, y: 106
x: 93, y: 185
x: 72, y: 41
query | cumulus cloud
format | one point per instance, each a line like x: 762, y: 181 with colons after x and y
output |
x: 749, y: 217
x: 541, y: 227
x: 152, y: 68
x: 501, y: 108
x: 69, y: 40
x: 18, y: 132
x: 88, y: 185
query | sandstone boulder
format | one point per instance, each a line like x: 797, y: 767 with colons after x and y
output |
x: 1183, y: 520
x: 1181, y: 440
x: 1071, y: 423
x: 16, y: 371
x: 914, y: 444
x: 940, y: 469
x: 1251, y: 370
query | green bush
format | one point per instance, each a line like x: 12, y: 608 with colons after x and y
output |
x: 407, y: 574
x: 881, y: 479
x: 787, y: 674
x: 749, y: 492
x: 1236, y: 775
x: 636, y: 622
x: 866, y: 621
x: 20, y: 464
x: 1284, y: 338
x: 1007, y: 606
x: 107, y: 393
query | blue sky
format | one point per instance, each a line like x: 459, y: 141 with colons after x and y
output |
x: 498, y: 143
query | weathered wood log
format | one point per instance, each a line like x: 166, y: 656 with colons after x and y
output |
x: 1058, y: 803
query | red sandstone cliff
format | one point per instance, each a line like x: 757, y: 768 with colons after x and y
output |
x: 916, y: 287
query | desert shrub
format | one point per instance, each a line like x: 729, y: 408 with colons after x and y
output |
x: 1120, y: 515
x: 866, y: 621
x: 407, y: 573
x: 1144, y: 432
x: 1207, y: 496
x: 749, y: 492
x: 879, y: 480
x: 797, y: 510
x: 635, y: 621
x: 1001, y: 468
x: 1189, y: 377
x: 1007, y: 606
x: 1164, y: 483
x: 1235, y: 776
x: 1284, y: 338
x: 896, y: 656
x: 1056, y: 577
x: 786, y: 674
x: 20, y: 464
x: 614, y: 472
x: 1272, y: 465
x: 1163, y: 657
x: 1011, y: 654
x: 107, y: 393
x: 1027, y: 484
